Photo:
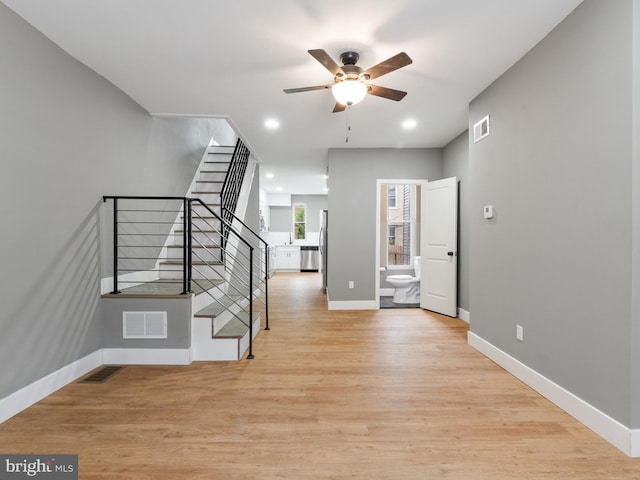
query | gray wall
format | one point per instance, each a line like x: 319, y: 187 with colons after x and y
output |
x: 456, y: 164
x: 557, y: 168
x: 353, y: 175
x: 280, y: 219
x: 68, y: 137
x: 635, y: 254
x: 173, y: 150
x: 178, y: 322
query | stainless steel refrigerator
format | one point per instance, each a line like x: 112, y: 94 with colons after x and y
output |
x: 323, y: 247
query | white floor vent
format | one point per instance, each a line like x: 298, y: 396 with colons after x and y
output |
x: 144, y: 324
x: 481, y: 129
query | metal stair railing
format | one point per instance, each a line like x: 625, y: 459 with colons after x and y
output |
x: 263, y: 273
x: 142, y: 234
x: 141, y: 227
x: 232, y: 185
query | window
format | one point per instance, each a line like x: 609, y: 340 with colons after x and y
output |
x: 299, y: 221
x: 402, y: 228
x: 391, y: 196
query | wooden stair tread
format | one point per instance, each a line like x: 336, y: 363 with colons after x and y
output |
x: 219, y: 306
x: 236, y: 328
x: 162, y: 288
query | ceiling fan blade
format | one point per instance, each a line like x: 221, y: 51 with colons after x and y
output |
x: 328, y: 62
x: 339, y: 108
x: 389, y: 65
x: 306, y: 89
x: 385, y: 92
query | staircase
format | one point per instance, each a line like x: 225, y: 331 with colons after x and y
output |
x: 207, y: 229
x: 208, y: 253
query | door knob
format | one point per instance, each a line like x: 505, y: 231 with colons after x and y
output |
x: 450, y: 254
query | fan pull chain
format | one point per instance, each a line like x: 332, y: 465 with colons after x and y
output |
x: 347, y: 126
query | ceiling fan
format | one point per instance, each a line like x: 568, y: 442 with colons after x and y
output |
x: 350, y: 87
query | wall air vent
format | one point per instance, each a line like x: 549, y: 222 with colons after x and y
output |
x: 144, y: 324
x: 481, y: 129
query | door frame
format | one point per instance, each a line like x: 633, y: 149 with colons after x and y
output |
x: 379, y: 183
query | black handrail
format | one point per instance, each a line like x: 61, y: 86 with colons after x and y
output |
x: 230, y: 229
x: 232, y: 184
x: 185, y: 286
x: 266, y: 265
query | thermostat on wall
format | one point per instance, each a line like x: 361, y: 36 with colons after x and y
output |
x: 488, y: 211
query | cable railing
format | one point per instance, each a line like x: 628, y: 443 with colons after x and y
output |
x: 230, y: 191
x: 263, y: 248
x: 179, y: 246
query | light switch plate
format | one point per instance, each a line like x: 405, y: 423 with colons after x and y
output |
x: 488, y: 211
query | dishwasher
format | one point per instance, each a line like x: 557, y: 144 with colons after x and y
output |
x: 309, y: 258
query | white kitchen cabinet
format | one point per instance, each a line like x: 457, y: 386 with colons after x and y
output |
x: 288, y: 258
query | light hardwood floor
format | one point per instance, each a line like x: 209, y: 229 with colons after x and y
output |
x: 392, y: 394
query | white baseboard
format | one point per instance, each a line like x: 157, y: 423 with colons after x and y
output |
x: 464, y: 315
x: 624, y: 438
x: 146, y: 356
x: 33, y: 393
x: 354, y: 305
x: 27, y: 396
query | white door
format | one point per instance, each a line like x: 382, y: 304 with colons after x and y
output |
x: 439, y: 247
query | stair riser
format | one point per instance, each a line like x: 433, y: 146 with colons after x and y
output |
x: 210, y: 223
x: 220, y: 155
x: 205, y: 188
x: 201, y: 272
x: 199, y: 238
x: 199, y: 255
x: 208, y: 198
x: 219, y: 349
x: 213, y: 173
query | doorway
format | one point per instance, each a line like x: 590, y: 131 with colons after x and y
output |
x: 427, y: 231
x: 398, y: 236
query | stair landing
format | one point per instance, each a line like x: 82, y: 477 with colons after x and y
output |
x: 164, y: 288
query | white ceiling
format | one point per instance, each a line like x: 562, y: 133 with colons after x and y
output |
x: 233, y: 58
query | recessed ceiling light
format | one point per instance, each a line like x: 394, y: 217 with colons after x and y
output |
x: 269, y: 175
x: 409, y: 124
x: 271, y: 123
x: 279, y: 188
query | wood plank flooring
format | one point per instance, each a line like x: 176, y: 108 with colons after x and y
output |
x: 393, y: 394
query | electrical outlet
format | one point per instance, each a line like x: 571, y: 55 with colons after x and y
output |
x: 351, y: 284
x: 519, y: 332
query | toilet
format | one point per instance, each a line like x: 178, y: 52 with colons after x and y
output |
x: 407, y: 288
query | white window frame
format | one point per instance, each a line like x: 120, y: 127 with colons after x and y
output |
x: 413, y: 222
x: 395, y: 196
x: 294, y: 222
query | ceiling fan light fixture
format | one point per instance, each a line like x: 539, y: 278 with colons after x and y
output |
x: 349, y: 92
